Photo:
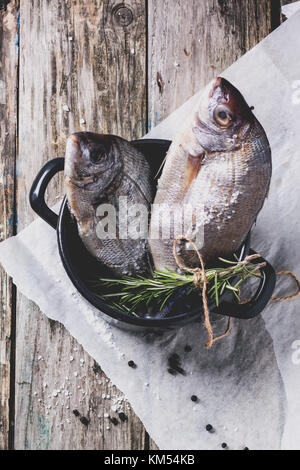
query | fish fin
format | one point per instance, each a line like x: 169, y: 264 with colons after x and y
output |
x: 193, y: 166
x: 161, y: 167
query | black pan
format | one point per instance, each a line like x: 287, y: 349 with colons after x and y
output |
x: 80, y: 265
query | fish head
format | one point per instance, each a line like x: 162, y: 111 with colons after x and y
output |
x: 92, y: 160
x: 223, y: 118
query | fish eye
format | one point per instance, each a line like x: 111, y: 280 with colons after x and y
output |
x: 97, y: 154
x: 223, y: 116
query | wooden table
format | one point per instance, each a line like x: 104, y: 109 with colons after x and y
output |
x: 103, y: 66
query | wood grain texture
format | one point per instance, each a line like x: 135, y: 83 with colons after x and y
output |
x: 80, y: 68
x: 8, y: 130
x: 191, y: 42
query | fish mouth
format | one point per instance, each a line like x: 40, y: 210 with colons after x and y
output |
x: 222, y: 91
x: 74, y: 173
x: 218, y: 83
x: 80, y: 169
x: 73, y: 156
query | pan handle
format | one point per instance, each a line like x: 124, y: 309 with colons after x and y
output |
x: 258, y: 302
x: 38, y: 189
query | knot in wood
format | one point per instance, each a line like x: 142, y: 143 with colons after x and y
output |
x: 123, y: 15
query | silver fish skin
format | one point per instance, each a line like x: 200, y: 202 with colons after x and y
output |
x: 99, y: 169
x: 220, y: 165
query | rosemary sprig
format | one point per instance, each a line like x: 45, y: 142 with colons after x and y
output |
x: 128, y: 294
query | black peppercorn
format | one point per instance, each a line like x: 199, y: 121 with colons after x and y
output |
x: 114, y: 421
x: 76, y: 413
x: 123, y: 417
x: 84, y: 421
x: 174, y: 358
x: 194, y: 398
x: 174, y: 364
x: 209, y: 428
x: 224, y: 445
x: 132, y: 364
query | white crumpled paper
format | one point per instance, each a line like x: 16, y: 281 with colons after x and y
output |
x: 248, y: 384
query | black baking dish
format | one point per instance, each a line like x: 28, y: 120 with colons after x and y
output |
x: 80, y: 265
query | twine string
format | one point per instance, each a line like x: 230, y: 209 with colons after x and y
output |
x: 289, y: 297
x: 200, y: 282
x: 284, y: 298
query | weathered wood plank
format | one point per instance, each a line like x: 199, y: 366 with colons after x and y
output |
x: 191, y: 42
x: 8, y: 130
x: 75, y: 54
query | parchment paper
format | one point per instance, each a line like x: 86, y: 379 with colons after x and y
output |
x: 248, y: 385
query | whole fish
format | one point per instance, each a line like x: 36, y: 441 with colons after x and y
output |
x: 102, y: 174
x: 220, y: 166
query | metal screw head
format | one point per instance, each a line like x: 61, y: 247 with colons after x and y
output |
x: 123, y: 15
